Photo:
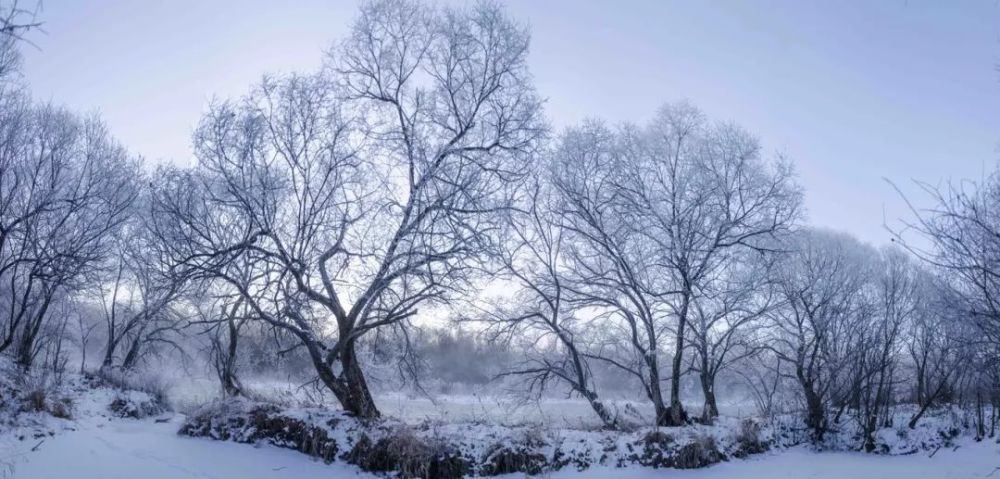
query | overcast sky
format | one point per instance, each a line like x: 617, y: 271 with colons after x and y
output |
x: 851, y: 91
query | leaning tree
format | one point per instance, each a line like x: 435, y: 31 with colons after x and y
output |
x: 365, y: 191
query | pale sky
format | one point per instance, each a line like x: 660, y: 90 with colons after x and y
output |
x: 850, y: 91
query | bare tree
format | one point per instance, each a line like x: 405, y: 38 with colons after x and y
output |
x: 763, y: 376
x: 821, y: 282
x: 963, y: 232
x: 896, y: 286
x: 15, y: 22
x: 85, y: 328
x: 65, y: 187
x: 606, y: 267
x: 937, y: 345
x: 370, y: 189
x: 541, y: 312
x: 655, y: 213
x: 960, y: 236
x: 725, y: 328
x: 139, y: 292
x: 223, y: 317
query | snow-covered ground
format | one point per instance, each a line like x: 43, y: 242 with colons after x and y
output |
x: 96, y: 444
x: 145, y: 449
x: 971, y: 460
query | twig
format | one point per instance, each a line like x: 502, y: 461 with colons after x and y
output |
x: 935, y: 451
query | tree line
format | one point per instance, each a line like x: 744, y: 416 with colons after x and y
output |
x: 414, y: 177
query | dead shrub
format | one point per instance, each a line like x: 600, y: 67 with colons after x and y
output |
x: 153, y: 385
x: 409, y: 456
x: 748, y: 440
x: 63, y: 408
x: 34, y: 401
x: 700, y: 453
x: 506, y: 460
x: 42, y: 400
x: 128, y: 407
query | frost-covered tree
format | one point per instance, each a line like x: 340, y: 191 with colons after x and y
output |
x: 961, y: 231
x: 551, y: 328
x: 727, y: 321
x: 65, y: 187
x: 654, y: 213
x: 367, y: 190
x: 15, y: 22
x: 822, y: 282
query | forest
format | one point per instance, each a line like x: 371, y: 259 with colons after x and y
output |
x: 404, y: 223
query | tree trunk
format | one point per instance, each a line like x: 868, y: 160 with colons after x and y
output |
x: 109, y: 352
x: 230, y: 384
x: 929, y: 398
x: 230, y: 387
x: 83, y: 357
x: 602, y: 411
x: 676, y: 415
x: 133, y: 353
x: 869, y: 432
x: 582, y: 384
x: 356, y: 398
x: 655, y: 393
x: 26, y: 347
x: 15, y: 320
x: 711, y: 409
x: 815, y: 413
x: 350, y: 388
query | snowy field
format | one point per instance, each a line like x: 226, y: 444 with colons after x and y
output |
x: 511, y: 410
x: 127, y: 449
x: 490, y: 404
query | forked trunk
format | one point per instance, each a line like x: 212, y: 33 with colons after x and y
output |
x: 356, y: 398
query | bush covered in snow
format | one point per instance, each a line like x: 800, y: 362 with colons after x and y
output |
x: 455, y: 449
x: 134, y: 404
x: 438, y: 449
x: 35, y: 404
x: 28, y: 398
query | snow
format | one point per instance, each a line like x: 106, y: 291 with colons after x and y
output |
x: 971, y: 460
x: 126, y: 448
x: 96, y: 444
